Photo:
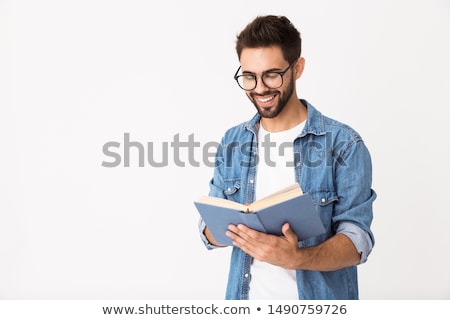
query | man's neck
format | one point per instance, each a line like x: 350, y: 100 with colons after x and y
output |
x: 293, y: 114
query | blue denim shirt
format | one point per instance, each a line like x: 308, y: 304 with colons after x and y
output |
x: 333, y: 165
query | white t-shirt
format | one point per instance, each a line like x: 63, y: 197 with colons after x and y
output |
x: 275, y: 170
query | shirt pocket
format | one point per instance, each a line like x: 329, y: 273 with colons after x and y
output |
x: 232, y: 186
x: 323, y: 198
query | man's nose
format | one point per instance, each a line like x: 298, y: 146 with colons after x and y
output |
x: 260, y: 86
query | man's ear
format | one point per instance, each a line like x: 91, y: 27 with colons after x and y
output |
x: 299, y: 66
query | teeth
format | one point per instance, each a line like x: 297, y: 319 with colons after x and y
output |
x: 266, y: 99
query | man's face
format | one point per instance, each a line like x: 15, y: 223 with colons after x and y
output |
x: 268, y: 102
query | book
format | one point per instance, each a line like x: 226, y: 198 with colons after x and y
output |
x: 267, y: 214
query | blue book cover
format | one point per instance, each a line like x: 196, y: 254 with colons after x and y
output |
x: 266, y: 216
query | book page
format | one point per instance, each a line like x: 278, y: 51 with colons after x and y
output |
x: 284, y: 194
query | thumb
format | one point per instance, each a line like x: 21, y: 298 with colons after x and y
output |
x: 289, y: 233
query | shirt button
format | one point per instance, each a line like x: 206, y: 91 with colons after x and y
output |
x: 323, y: 200
x: 229, y: 189
x: 246, y: 275
x: 297, y: 164
x: 251, y: 181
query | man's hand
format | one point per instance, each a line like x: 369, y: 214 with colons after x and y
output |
x: 335, y: 253
x: 277, y: 250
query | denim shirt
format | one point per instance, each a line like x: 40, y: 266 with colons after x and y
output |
x: 333, y: 165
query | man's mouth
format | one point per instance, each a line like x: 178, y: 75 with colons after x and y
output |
x: 265, y: 99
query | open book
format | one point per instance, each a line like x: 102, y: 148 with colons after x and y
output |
x: 267, y: 214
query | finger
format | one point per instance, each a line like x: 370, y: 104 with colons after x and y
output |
x: 238, y: 233
x: 232, y: 232
x: 289, y: 233
x: 241, y: 236
x: 249, y: 234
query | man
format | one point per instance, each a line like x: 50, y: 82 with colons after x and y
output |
x: 289, y: 140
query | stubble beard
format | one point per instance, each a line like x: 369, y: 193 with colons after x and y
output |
x: 283, y: 100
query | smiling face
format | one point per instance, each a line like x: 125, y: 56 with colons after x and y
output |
x: 269, y: 102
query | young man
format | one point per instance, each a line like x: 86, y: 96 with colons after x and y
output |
x: 289, y: 140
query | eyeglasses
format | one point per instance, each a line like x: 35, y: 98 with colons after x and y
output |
x: 271, y: 79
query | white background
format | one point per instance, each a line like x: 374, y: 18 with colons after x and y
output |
x: 77, y: 74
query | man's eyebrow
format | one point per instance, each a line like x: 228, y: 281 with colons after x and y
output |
x: 265, y: 71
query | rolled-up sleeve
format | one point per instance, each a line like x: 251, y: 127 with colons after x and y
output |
x: 361, y: 239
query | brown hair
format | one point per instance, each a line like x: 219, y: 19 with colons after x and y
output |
x: 267, y: 31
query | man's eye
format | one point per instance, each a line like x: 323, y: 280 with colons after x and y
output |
x: 271, y: 76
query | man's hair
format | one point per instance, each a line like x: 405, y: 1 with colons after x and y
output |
x: 270, y: 30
